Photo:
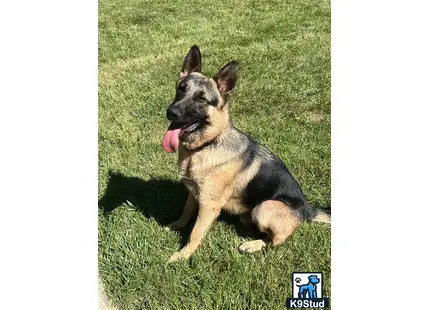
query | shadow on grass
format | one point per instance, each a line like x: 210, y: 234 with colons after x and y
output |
x: 160, y: 199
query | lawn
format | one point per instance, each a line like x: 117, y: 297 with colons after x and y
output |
x: 282, y: 99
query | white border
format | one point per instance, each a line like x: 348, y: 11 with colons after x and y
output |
x: 48, y: 131
x: 48, y: 128
x: 380, y: 154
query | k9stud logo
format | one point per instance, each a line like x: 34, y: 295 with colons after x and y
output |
x: 307, y: 291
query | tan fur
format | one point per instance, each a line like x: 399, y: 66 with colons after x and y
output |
x: 234, y: 204
x: 323, y: 218
x: 276, y: 219
x: 252, y: 246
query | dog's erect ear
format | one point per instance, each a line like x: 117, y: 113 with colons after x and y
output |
x: 192, y: 62
x: 226, y: 78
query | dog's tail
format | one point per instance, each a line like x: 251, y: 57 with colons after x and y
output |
x: 320, y: 215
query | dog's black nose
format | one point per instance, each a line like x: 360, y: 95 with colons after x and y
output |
x: 173, y: 114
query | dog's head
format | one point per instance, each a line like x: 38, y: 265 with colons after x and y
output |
x: 313, y: 279
x: 199, y: 112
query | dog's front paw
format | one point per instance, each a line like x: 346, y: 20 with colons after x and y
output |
x: 177, y: 256
x: 183, y: 254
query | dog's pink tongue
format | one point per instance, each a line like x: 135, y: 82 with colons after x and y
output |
x: 171, y: 140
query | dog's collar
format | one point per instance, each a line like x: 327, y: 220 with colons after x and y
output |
x: 206, y: 144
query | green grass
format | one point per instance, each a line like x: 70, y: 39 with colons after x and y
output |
x: 282, y: 99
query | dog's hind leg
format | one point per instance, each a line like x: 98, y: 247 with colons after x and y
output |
x: 274, y: 218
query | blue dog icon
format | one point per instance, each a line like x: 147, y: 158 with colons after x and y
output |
x: 309, y: 289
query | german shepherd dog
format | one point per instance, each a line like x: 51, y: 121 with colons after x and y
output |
x: 225, y: 169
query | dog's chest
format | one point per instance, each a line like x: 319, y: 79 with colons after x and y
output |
x: 196, y: 168
x: 190, y: 171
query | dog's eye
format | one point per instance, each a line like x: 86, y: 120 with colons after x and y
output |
x: 182, y: 87
x: 199, y: 96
